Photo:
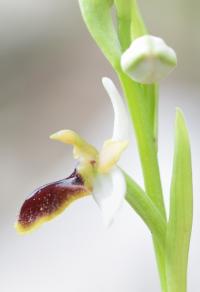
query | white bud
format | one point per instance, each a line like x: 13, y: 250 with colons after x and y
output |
x: 148, y: 59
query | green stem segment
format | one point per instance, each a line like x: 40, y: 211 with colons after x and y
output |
x: 145, y: 139
x: 124, y: 22
x: 138, y: 27
x: 148, y: 155
x: 129, y: 20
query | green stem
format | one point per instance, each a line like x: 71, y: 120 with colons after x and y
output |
x: 138, y: 27
x: 146, y: 144
x: 148, y: 155
x: 123, y: 13
x: 151, y: 101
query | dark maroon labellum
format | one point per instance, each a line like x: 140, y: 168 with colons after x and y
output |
x: 50, y: 200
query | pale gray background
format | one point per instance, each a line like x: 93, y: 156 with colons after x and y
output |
x: 50, y: 79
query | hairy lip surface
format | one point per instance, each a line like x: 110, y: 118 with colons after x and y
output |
x: 50, y: 200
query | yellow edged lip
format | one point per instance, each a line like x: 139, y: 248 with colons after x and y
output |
x: 49, y: 201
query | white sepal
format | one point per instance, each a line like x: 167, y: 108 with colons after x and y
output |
x: 109, y: 191
x: 121, y: 120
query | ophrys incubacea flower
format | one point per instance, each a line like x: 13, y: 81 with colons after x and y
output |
x: 97, y: 174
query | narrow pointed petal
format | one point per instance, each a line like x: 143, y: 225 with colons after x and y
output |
x: 82, y: 150
x: 48, y: 201
x: 110, y: 154
x: 121, y: 121
x: 109, y: 192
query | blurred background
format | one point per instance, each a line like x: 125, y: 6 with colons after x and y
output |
x: 50, y: 73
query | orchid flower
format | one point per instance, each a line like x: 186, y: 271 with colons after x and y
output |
x: 96, y: 174
x: 140, y: 61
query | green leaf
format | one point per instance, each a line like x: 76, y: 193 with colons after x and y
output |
x: 180, y: 219
x: 146, y: 209
x: 150, y: 214
x: 97, y: 16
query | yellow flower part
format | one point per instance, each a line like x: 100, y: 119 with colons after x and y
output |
x: 82, y: 150
x: 110, y: 154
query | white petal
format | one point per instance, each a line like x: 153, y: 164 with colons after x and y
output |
x: 109, y: 192
x: 121, y: 120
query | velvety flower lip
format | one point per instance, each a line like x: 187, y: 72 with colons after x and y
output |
x: 50, y: 200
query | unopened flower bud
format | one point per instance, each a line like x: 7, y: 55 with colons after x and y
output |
x: 148, y: 59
